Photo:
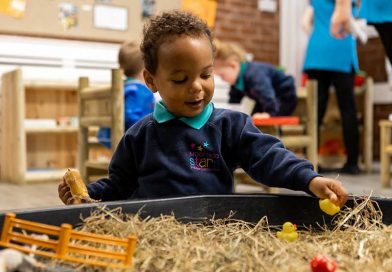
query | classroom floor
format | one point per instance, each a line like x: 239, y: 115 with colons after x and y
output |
x: 39, y: 195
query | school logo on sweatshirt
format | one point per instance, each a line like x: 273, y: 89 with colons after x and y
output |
x: 202, y: 158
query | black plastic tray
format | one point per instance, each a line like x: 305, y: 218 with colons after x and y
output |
x: 300, y: 209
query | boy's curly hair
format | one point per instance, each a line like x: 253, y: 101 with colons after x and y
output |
x: 130, y: 58
x: 167, y: 26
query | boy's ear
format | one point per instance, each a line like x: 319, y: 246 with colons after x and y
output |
x: 149, y: 79
x: 233, y: 63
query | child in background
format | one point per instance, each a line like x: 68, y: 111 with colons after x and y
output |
x: 138, y: 99
x: 188, y: 147
x: 273, y: 91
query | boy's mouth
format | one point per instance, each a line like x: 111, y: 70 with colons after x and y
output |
x: 194, y: 103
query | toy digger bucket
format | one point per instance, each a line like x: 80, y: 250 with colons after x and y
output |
x: 64, y: 243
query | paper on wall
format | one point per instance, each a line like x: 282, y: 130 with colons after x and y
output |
x: 110, y: 17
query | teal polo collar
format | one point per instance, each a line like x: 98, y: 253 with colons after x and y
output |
x: 240, y: 83
x: 162, y: 115
x: 131, y: 80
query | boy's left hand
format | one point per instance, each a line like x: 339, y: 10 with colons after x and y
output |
x: 261, y: 115
x: 329, y: 188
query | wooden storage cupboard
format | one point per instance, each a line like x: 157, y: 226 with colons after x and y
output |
x: 38, y: 152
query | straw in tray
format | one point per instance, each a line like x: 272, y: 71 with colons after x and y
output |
x: 358, y: 242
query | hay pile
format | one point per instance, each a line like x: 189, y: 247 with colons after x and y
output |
x: 358, y: 242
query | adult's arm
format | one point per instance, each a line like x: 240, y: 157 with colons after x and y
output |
x: 340, y: 21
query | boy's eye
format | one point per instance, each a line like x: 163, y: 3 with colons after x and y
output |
x: 179, y: 81
x: 206, y: 76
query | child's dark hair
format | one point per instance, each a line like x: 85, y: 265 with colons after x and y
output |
x: 130, y: 58
x: 166, y: 26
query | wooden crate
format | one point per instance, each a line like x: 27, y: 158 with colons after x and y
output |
x: 38, y: 153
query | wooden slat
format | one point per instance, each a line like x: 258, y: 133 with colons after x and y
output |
x: 97, y: 165
x: 117, y: 126
x: 297, y: 129
x: 104, y: 121
x: 388, y: 149
x: 96, y: 92
x: 13, y: 139
x: 385, y: 123
x: 45, y: 175
x: 312, y: 122
x: 368, y: 125
x: 83, y: 131
x: 358, y: 90
x: 301, y: 93
x: 296, y: 141
x: 97, y: 107
x: 0, y: 130
x: 44, y: 85
x: 60, y: 130
x: 385, y: 159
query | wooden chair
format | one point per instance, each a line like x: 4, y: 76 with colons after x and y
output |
x: 307, y: 136
x: 331, y: 129
x: 300, y: 130
x: 385, y: 152
x: 293, y: 136
x: 101, y: 106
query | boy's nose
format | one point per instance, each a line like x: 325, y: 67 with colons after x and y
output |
x: 196, y: 87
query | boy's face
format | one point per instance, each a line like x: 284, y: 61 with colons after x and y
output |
x: 184, y: 76
x: 228, y: 70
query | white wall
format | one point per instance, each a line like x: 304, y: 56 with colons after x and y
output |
x: 293, y: 40
x: 55, y: 59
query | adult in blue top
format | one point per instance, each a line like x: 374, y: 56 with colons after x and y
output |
x: 138, y: 99
x: 333, y: 61
x: 271, y: 89
x: 379, y: 14
x: 187, y: 146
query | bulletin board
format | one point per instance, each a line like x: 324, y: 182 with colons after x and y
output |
x: 92, y: 20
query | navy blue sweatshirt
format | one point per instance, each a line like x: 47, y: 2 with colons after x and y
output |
x: 173, y: 159
x: 272, y: 90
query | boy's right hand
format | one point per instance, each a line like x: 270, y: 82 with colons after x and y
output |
x: 332, y: 189
x: 65, y: 193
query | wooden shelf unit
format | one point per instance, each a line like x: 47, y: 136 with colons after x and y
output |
x: 33, y: 154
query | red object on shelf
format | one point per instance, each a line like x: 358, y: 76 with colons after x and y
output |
x: 322, y: 263
x: 359, y: 80
x: 276, y: 121
x: 304, y: 79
